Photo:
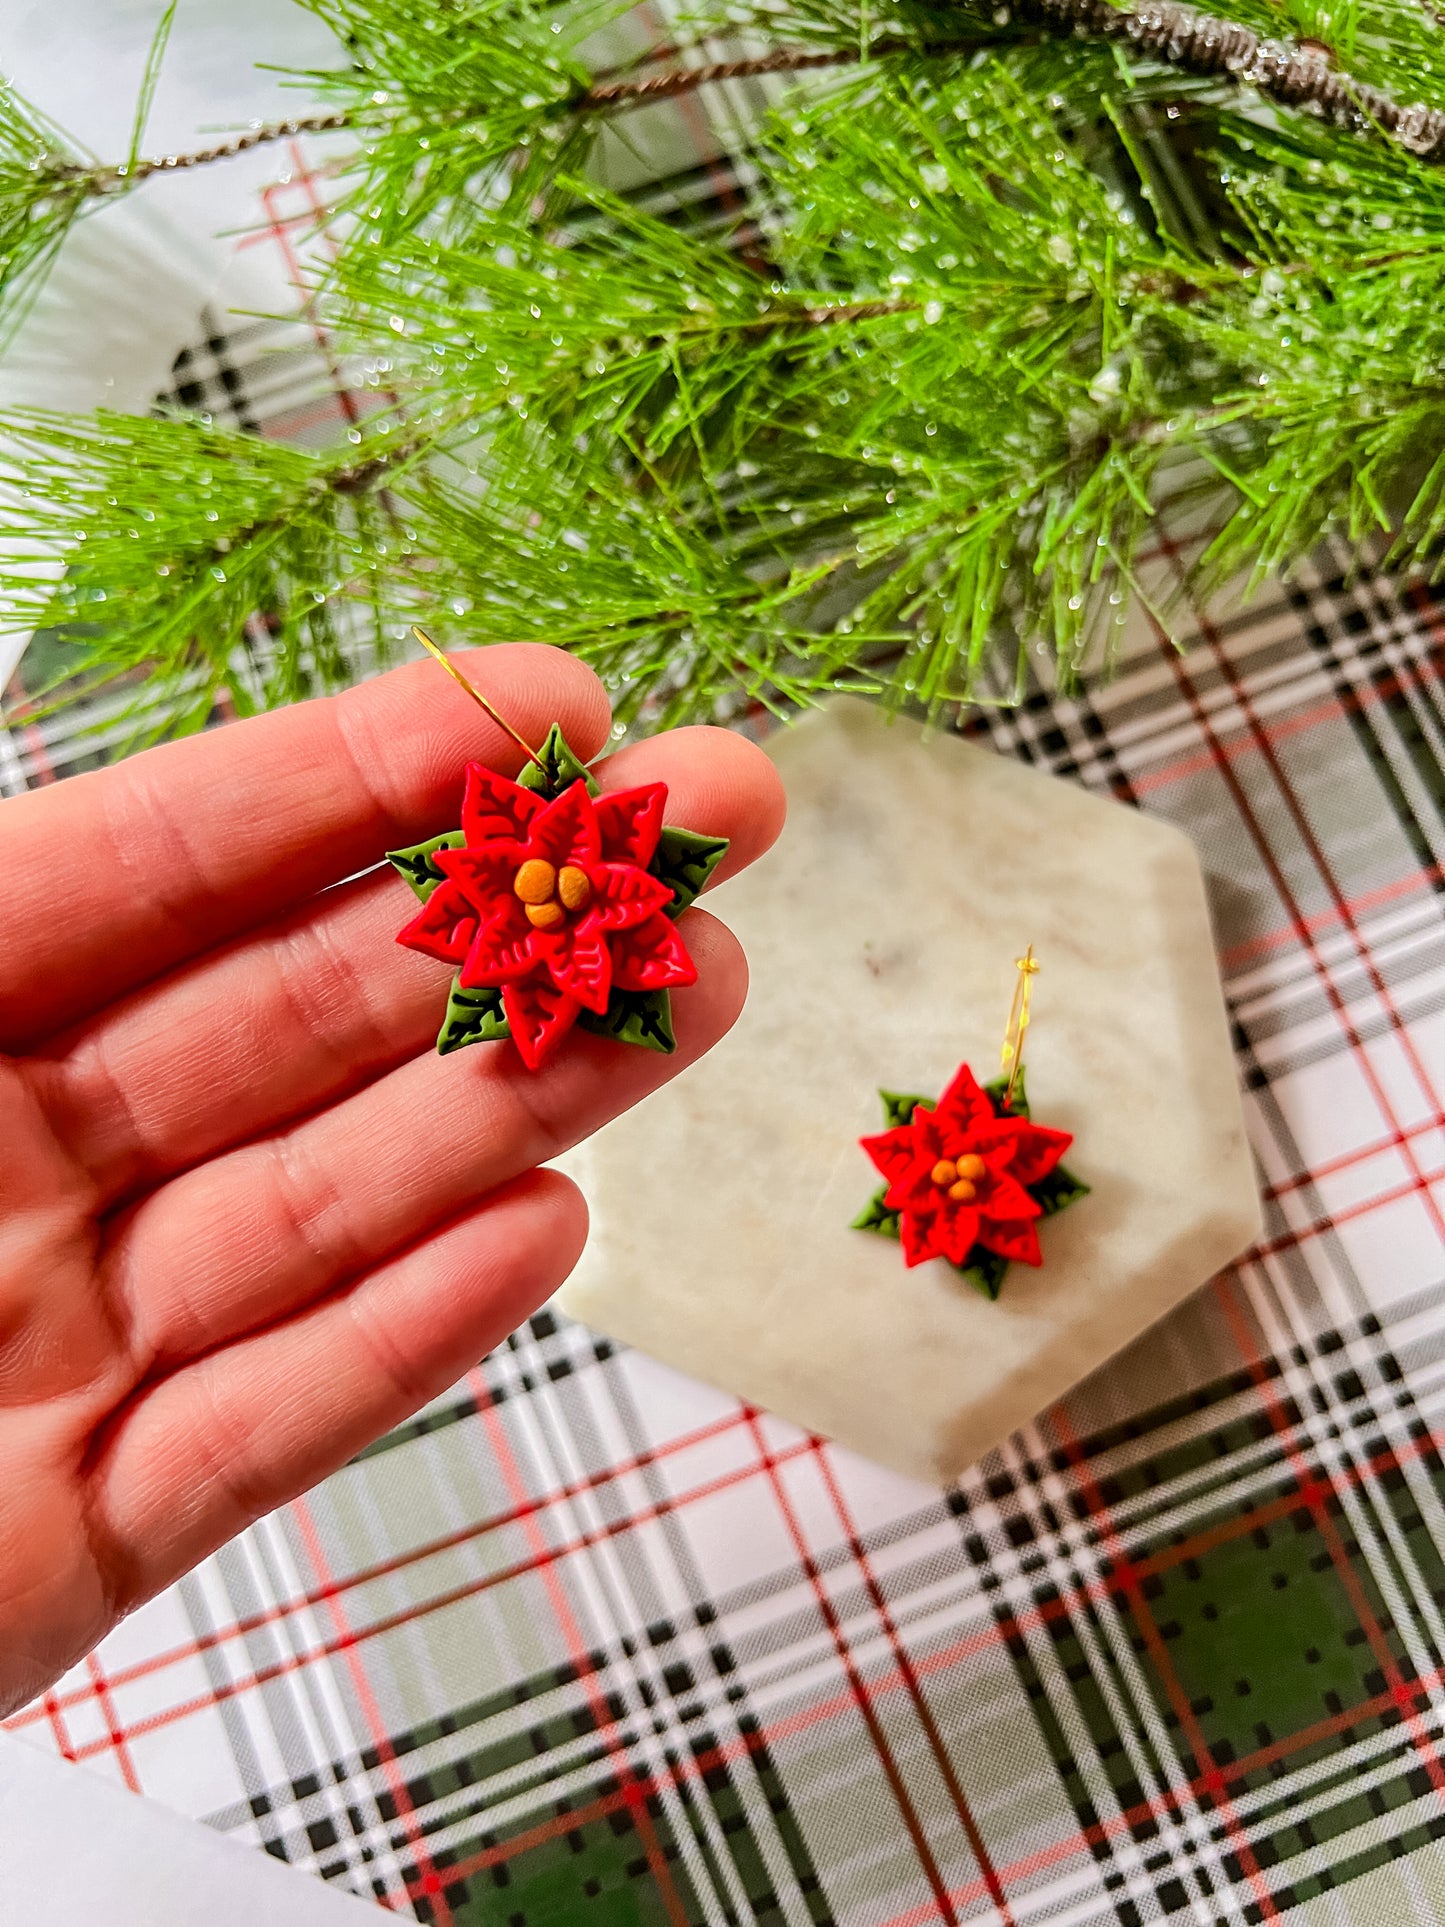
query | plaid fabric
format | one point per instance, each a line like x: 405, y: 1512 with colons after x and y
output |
x: 588, y: 1642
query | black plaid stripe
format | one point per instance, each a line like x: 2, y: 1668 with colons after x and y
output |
x: 218, y: 375
x: 681, y: 1665
x: 275, y: 377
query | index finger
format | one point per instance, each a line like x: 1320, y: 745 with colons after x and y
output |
x: 111, y: 877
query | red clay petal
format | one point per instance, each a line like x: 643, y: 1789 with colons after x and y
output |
x: 915, y: 1190
x: 503, y: 949
x: 652, y: 956
x: 920, y: 1239
x: 581, y: 964
x: 494, y: 806
x: 1005, y: 1198
x: 1000, y: 1217
x: 624, y: 896
x: 565, y: 830
x: 629, y: 824
x: 540, y: 1016
x: 1017, y: 1241
x: 957, y: 1232
x: 486, y: 876
x: 444, y: 927
x: 964, y: 1105
x: 893, y: 1152
x: 1039, y: 1151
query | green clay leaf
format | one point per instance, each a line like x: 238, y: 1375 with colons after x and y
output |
x: 560, y: 768
x: 473, y: 1017
x: 684, y: 861
x: 995, y: 1093
x: 984, y: 1271
x: 898, y: 1109
x: 635, y: 1017
x: 416, y: 867
x: 1058, y: 1190
x: 875, y: 1216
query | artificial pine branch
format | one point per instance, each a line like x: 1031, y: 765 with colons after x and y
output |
x: 1296, y: 74
x: 103, y: 180
x: 253, y: 570
x: 904, y: 421
x: 41, y: 193
x: 45, y: 185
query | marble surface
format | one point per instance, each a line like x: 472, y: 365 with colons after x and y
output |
x: 881, y: 935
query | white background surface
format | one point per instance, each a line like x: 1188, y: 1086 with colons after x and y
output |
x: 76, y: 1849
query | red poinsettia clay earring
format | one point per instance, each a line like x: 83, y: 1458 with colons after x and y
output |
x: 557, y: 904
x: 970, y: 1177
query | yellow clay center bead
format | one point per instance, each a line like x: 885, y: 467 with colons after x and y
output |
x: 545, y: 916
x: 573, y: 886
x: 962, y: 1191
x: 945, y: 1171
x: 971, y: 1166
x: 535, y: 881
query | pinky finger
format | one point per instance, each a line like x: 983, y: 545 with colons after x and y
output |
x: 199, y: 1456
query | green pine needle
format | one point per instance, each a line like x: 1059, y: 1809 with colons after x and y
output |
x: 42, y: 190
x: 250, y: 569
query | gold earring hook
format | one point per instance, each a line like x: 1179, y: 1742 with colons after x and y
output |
x: 476, y: 695
x: 1018, y: 1022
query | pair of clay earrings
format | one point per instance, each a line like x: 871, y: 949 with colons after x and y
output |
x: 559, y: 905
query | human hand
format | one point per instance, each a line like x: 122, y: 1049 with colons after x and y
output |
x: 248, y: 1218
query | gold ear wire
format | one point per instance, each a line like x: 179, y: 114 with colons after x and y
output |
x: 477, y: 697
x: 1018, y: 1022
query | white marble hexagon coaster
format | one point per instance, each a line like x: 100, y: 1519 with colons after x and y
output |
x: 882, y: 934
